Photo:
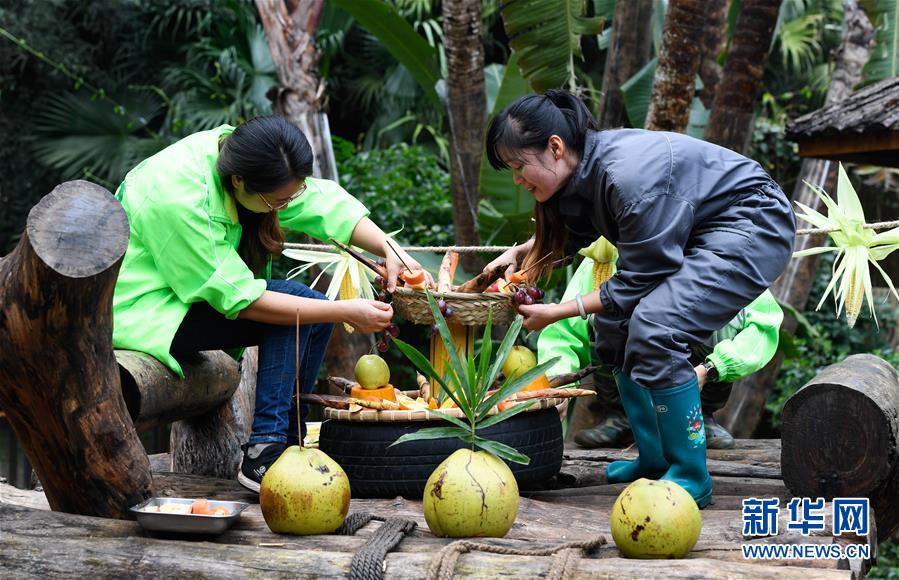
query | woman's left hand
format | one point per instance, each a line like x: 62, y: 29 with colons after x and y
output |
x: 538, y: 316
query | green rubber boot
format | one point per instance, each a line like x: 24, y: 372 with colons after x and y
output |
x: 637, y: 403
x: 679, y: 416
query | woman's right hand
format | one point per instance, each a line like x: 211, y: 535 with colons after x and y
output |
x: 367, y: 315
x: 511, y: 257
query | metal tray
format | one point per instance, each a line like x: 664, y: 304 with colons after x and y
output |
x: 187, y: 523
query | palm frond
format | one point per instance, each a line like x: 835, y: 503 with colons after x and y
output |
x: 546, y: 35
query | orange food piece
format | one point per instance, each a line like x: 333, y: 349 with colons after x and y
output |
x: 503, y: 405
x: 432, y: 403
x: 220, y: 511
x: 518, y: 277
x: 385, y: 392
x: 200, y: 507
x: 537, y: 384
x: 415, y: 278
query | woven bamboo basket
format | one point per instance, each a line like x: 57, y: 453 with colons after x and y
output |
x: 470, y: 309
x: 373, y: 416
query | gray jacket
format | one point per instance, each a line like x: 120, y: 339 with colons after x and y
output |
x: 650, y: 193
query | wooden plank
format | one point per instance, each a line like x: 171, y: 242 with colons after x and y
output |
x: 43, y: 543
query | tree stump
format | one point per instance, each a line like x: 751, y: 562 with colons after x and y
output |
x: 209, y: 444
x: 841, y: 437
x: 59, y: 381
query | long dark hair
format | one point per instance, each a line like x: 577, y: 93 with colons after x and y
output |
x: 527, y: 124
x: 267, y: 152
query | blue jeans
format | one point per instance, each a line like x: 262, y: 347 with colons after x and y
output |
x: 275, y: 418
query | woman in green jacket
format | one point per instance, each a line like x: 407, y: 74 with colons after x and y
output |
x: 206, y: 215
x: 742, y: 347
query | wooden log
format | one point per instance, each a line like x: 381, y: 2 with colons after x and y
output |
x: 841, y: 436
x: 209, y: 444
x: 156, y: 396
x: 42, y: 544
x: 59, y: 382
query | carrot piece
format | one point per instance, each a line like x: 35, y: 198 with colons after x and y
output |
x: 200, y: 507
x: 413, y: 277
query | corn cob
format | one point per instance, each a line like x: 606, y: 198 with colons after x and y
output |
x: 348, y: 291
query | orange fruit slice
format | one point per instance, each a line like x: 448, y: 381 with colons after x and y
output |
x: 385, y: 392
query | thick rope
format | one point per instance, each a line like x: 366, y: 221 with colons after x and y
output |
x: 500, y: 249
x: 567, y: 555
x: 369, y: 561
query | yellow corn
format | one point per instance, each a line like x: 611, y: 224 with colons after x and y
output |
x: 602, y: 271
x: 348, y: 291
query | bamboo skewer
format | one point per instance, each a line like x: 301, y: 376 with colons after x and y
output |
x: 366, y: 261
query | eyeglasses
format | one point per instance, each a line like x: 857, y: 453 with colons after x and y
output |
x: 282, y: 204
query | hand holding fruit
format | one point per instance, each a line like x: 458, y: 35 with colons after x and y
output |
x: 512, y: 257
x: 367, y: 315
x: 397, y: 267
x: 538, y: 316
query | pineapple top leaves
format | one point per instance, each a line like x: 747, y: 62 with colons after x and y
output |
x: 467, y: 382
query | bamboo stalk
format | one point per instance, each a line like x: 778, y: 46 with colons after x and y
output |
x: 480, y: 282
x: 556, y: 381
x: 447, y: 271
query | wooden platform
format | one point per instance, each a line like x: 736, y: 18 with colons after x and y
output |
x: 35, y: 541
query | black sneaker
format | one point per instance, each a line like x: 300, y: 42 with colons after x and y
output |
x: 252, y: 469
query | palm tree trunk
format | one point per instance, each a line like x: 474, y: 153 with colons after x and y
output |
x: 675, y: 78
x: 743, y: 412
x: 629, y: 51
x: 290, y: 28
x: 467, y: 112
x: 731, y: 122
x: 714, y: 42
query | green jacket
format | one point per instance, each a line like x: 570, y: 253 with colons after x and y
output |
x: 741, y: 348
x: 184, y: 239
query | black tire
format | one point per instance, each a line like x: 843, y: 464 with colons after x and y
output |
x: 374, y: 470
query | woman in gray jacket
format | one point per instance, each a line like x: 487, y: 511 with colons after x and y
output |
x: 701, y: 232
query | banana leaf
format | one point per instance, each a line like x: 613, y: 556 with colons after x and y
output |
x: 637, y: 92
x: 546, y: 36
x: 505, y: 210
x: 400, y: 39
x: 884, y: 62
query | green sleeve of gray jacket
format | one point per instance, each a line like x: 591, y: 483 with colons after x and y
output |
x: 754, y: 345
x: 569, y: 338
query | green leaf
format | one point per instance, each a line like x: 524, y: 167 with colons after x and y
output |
x: 546, y: 36
x: 400, y: 39
x: 506, y: 209
x: 509, y: 388
x: 493, y: 80
x: 419, y: 360
x: 454, y: 420
x: 486, y: 352
x: 434, y: 433
x: 884, y: 60
x: 502, y: 451
x: 637, y: 92
x: 456, y: 365
x: 503, y: 415
x: 504, y: 348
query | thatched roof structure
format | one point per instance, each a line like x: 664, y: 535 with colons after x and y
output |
x: 863, y: 128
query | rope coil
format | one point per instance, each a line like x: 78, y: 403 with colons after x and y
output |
x: 566, y: 556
